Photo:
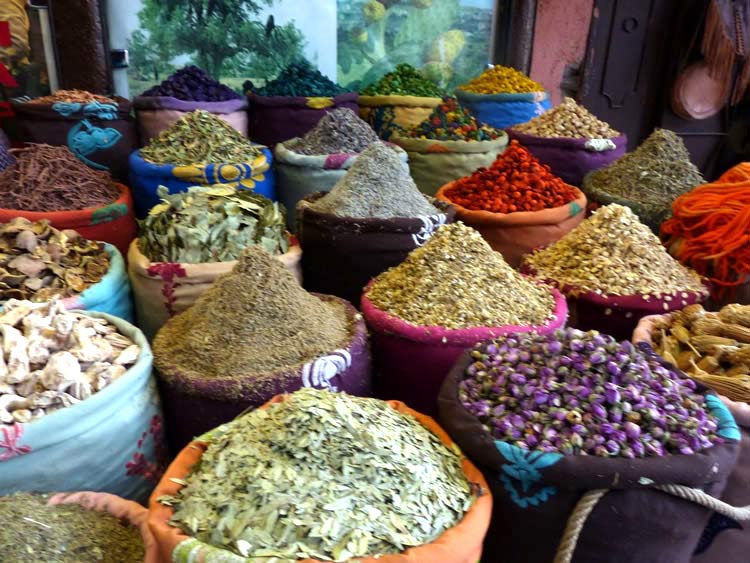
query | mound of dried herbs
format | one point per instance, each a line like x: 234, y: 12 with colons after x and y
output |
x: 32, y: 531
x: 252, y: 323
x: 377, y: 185
x: 199, y: 137
x: 457, y: 281
x: 404, y: 80
x: 338, y: 131
x: 39, y: 262
x: 613, y: 253
x: 211, y: 224
x: 653, y: 175
x: 299, y: 78
x: 325, y: 476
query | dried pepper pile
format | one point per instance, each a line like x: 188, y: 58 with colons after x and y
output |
x: 449, y: 121
x: 72, y: 96
x: 298, y: 79
x: 193, y: 84
x: 211, y: 224
x: 516, y: 181
x: 404, y: 80
x: 199, y: 137
x: 584, y: 393
x: 47, y: 178
x: 501, y: 80
x: 322, y: 476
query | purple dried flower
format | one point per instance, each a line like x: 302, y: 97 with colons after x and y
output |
x: 611, y: 393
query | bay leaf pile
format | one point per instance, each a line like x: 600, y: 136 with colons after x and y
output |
x: 51, y: 358
x: 34, y: 531
x: 39, y: 262
x: 338, y: 131
x: 325, y: 476
x: 613, y: 253
x: 377, y: 185
x: 252, y: 323
x: 199, y: 137
x: 457, y: 281
x: 211, y: 224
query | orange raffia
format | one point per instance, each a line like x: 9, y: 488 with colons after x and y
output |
x: 710, y: 229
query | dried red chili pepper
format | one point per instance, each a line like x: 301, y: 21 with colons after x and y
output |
x: 516, y: 181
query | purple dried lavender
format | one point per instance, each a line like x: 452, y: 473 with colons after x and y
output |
x: 585, y: 394
x: 193, y: 84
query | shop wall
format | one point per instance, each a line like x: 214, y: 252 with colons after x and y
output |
x: 560, y: 34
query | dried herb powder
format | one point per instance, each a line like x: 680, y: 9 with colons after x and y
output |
x: 211, y: 224
x: 39, y: 262
x: 613, y: 253
x: 338, y: 131
x: 404, y: 80
x: 199, y: 137
x: 47, y: 178
x: 377, y: 185
x: 253, y: 322
x: 325, y: 476
x: 450, y: 121
x: 568, y: 120
x: 34, y: 531
x: 653, y: 175
x: 457, y: 281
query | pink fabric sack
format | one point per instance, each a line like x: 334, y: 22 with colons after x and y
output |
x: 411, y: 361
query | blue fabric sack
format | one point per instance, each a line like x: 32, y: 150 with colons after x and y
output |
x: 502, y: 111
x: 146, y: 177
x: 111, y: 442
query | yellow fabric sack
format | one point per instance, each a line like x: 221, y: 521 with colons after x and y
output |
x: 389, y: 114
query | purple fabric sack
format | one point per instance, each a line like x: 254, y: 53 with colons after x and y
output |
x: 412, y: 361
x: 275, y: 119
x: 156, y: 113
x: 614, y: 314
x: 193, y: 405
x: 569, y: 158
x: 534, y: 494
x: 100, y: 135
x: 340, y: 255
x: 724, y: 540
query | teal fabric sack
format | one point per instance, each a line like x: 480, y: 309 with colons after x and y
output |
x: 111, y: 442
x: 111, y: 295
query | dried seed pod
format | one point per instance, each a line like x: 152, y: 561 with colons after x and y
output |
x: 736, y: 314
x: 707, y: 344
x: 709, y: 364
x: 686, y: 358
x: 707, y: 326
x: 693, y: 312
x: 738, y: 332
x: 681, y: 333
x: 736, y: 370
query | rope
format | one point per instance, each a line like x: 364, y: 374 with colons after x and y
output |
x: 588, y: 501
x: 697, y: 496
x: 575, y: 524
